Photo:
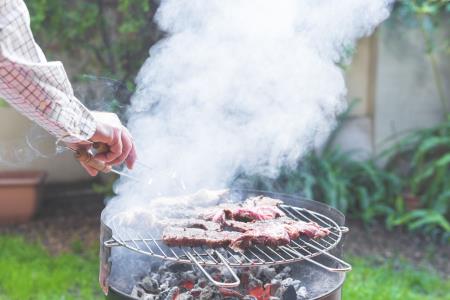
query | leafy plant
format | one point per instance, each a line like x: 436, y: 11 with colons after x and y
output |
x: 111, y: 36
x: 422, y: 159
x: 105, y: 188
x: 418, y: 168
x: 359, y: 188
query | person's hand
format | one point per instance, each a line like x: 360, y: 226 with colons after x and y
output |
x: 111, y: 132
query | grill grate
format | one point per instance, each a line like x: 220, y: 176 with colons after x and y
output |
x: 303, y: 248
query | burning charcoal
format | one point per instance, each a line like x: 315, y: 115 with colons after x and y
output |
x: 283, y: 274
x: 254, y: 282
x: 291, y: 282
x: 289, y: 293
x: 186, y: 285
x: 201, y: 283
x: 189, y: 276
x: 275, y: 281
x: 171, y: 294
x: 272, y: 288
x: 267, y: 273
x: 149, y: 285
x: 170, y: 279
x: 155, y: 276
x: 176, y: 267
x: 210, y: 292
x: 164, y: 286
x: 195, y: 292
x: 229, y: 293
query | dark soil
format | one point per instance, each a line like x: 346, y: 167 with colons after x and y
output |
x: 375, y: 241
x: 70, y: 214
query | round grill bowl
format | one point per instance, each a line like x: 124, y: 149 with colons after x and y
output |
x: 319, y: 283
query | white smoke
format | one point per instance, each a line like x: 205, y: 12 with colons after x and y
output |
x: 240, y: 85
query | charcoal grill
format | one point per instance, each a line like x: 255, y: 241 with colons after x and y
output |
x: 317, y: 252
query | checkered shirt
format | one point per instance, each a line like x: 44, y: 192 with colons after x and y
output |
x: 38, y: 89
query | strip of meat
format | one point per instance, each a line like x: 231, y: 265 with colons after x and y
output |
x: 254, y: 209
x: 258, y: 221
x: 269, y: 233
x: 256, y: 213
x: 293, y: 228
x: 265, y: 233
x: 311, y: 229
x: 194, y: 237
x: 193, y: 223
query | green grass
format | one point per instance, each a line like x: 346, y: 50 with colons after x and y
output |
x: 28, y: 272
x: 392, y: 280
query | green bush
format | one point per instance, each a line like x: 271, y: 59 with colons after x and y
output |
x: 422, y: 160
x: 418, y: 168
x: 110, y: 38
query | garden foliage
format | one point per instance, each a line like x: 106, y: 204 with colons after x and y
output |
x: 108, y: 35
x: 411, y: 189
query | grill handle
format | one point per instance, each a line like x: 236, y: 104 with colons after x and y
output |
x: 233, y: 284
x: 343, y: 266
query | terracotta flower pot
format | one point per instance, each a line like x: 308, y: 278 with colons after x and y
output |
x: 19, y: 195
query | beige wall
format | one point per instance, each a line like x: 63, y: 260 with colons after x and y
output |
x: 406, y: 96
x: 13, y: 129
x: 393, y: 76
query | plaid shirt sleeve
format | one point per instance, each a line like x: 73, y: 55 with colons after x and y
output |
x: 38, y: 89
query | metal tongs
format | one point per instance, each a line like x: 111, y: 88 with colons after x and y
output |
x: 87, y: 156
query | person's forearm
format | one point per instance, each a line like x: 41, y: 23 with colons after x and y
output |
x: 38, y: 89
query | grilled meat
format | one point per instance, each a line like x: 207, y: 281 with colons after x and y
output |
x: 275, y: 232
x: 268, y: 233
x: 253, y: 209
x: 193, y: 223
x: 258, y: 221
x: 311, y: 229
x: 193, y: 237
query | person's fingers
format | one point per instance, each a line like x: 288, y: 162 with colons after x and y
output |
x: 115, y: 147
x: 131, y: 159
x: 127, y: 145
x: 91, y: 171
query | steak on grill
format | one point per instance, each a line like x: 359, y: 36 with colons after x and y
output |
x: 253, y: 209
x: 269, y: 233
x: 258, y: 221
x: 193, y: 223
x: 275, y: 232
x: 194, y: 237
